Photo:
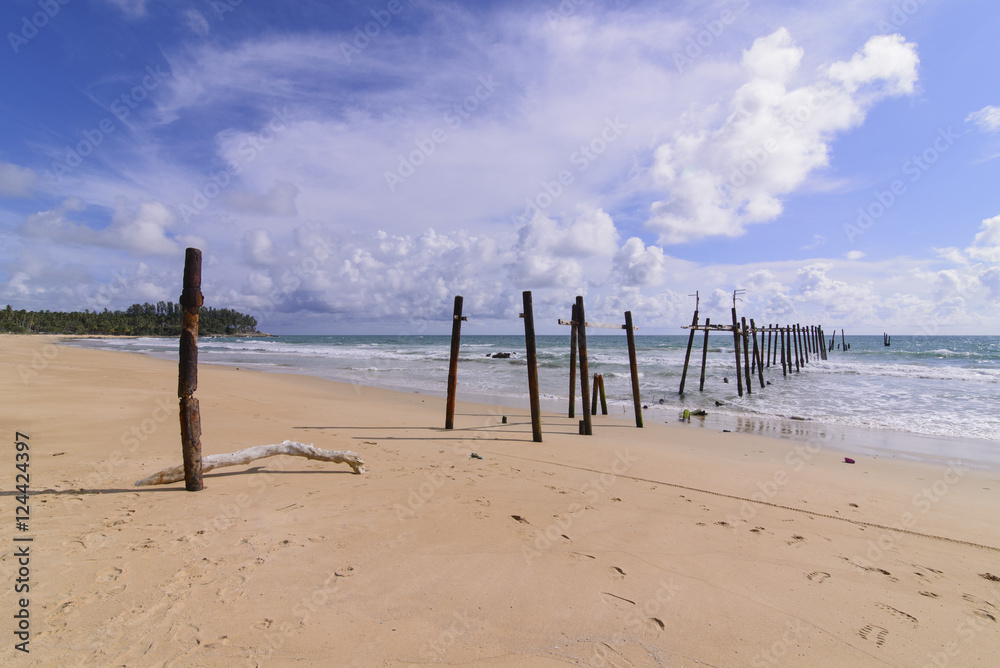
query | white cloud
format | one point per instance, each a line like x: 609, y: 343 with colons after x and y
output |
x: 550, y: 254
x: 775, y: 135
x: 855, y: 255
x: 141, y: 230
x: 986, y: 119
x: 278, y: 200
x: 16, y: 181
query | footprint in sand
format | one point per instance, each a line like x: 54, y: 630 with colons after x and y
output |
x: 874, y: 632
x: 981, y: 611
x: 617, y: 573
x: 819, y: 576
x: 109, y: 575
x: 617, y: 601
x: 928, y: 594
x: 899, y: 614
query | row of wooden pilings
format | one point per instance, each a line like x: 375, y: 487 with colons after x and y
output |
x: 793, y: 344
x: 578, y: 350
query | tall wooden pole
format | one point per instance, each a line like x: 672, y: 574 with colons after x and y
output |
x: 572, y: 363
x: 633, y: 369
x: 736, y: 344
x: 529, y: 342
x: 784, y: 366
x: 768, y: 355
x: 456, y: 335
x: 687, y: 356
x: 704, y: 355
x: 805, y: 342
x: 798, y: 355
x: 822, y: 341
x: 581, y: 334
x: 746, y: 354
x: 756, y: 354
x: 191, y: 300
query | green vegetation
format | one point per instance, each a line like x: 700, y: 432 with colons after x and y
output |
x: 160, y: 319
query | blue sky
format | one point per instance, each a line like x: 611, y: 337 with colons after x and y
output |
x: 350, y: 167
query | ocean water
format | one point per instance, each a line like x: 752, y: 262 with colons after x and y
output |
x: 925, y: 387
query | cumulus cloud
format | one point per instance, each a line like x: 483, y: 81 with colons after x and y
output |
x: 278, y: 200
x: 986, y: 119
x: 722, y: 178
x: 140, y: 230
x: 16, y: 181
x: 549, y: 254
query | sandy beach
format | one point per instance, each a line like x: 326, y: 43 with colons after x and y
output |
x: 663, y: 546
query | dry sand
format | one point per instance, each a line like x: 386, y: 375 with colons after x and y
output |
x: 633, y: 547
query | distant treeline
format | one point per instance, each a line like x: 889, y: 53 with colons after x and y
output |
x: 159, y: 319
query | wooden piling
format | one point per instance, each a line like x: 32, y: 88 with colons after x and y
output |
x: 795, y: 344
x: 784, y: 365
x: 704, y: 355
x: 756, y: 354
x: 821, y: 336
x: 581, y: 333
x: 634, y: 368
x: 768, y: 346
x: 191, y: 300
x: 593, y: 397
x: 687, y: 355
x: 604, y: 397
x: 529, y: 341
x: 805, y: 348
x: 843, y: 341
x: 736, y: 344
x: 746, y: 354
x: 456, y: 335
x: 572, y: 363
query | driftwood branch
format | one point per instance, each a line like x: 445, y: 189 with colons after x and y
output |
x: 248, y: 455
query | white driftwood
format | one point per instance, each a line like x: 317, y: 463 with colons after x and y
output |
x: 248, y: 455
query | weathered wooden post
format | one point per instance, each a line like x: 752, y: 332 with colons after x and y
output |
x: 768, y: 346
x: 581, y: 334
x: 529, y: 341
x: 572, y: 362
x: 191, y: 300
x: 843, y: 341
x: 821, y: 340
x: 687, y: 356
x: 456, y: 335
x: 746, y: 354
x: 596, y: 390
x: 704, y: 355
x: 633, y: 368
x: 798, y: 354
x: 784, y: 366
x: 736, y: 344
x: 599, y: 390
x: 756, y: 354
x: 805, y: 342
